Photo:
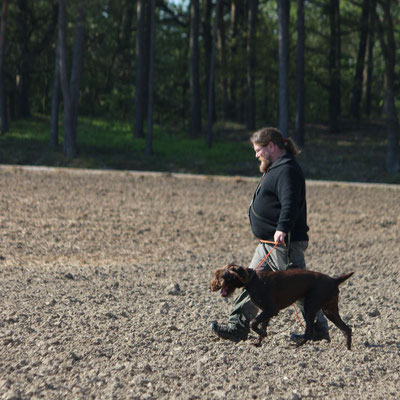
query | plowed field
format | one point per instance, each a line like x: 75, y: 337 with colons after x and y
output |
x: 104, y: 289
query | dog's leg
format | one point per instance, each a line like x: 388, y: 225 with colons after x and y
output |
x: 311, y: 306
x: 308, y: 334
x: 263, y: 319
x: 332, y: 313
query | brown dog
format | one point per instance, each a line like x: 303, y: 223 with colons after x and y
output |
x: 274, y: 291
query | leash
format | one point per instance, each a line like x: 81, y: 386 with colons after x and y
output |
x: 297, y: 316
x: 262, y: 262
x: 265, y: 258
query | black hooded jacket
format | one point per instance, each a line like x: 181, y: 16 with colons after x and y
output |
x: 279, y: 202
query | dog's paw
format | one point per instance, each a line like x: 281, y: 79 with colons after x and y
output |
x: 257, y: 342
x: 300, y: 342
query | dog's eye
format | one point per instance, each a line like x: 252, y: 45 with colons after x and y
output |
x: 226, y: 276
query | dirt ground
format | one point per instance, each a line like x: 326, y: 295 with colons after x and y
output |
x: 104, y: 289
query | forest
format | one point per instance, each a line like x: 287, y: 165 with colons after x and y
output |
x: 189, y: 65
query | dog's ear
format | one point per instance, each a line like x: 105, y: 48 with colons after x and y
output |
x: 241, y: 273
x: 216, y: 283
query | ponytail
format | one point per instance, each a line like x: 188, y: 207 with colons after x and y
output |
x: 291, y: 146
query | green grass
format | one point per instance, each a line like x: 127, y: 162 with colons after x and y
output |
x: 110, y: 144
x: 356, y: 154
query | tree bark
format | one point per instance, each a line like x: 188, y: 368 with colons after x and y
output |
x: 251, y: 64
x: 211, y: 77
x: 207, y: 35
x: 3, y: 106
x: 195, y: 101
x: 283, y: 16
x: 300, y: 87
x: 334, y: 67
x: 69, y: 145
x: 369, y: 65
x: 23, y: 75
x: 55, y: 102
x: 357, y: 85
x: 223, y: 80
x: 149, y: 133
x: 77, y: 66
x: 70, y: 91
x: 141, y: 67
x: 232, y: 78
x: 387, y: 39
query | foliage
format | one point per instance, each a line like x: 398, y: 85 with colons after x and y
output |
x: 108, y: 91
x: 109, y: 64
x: 355, y: 155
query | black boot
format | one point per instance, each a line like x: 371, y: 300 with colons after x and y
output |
x: 230, y: 332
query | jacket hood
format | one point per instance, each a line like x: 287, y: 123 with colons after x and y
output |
x: 286, y: 158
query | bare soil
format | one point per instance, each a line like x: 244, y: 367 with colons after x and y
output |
x: 104, y: 289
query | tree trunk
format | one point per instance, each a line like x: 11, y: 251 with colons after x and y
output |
x: 386, y: 34
x: 149, y: 133
x: 357, y: 86
x: 195, y: 103
x: 251, y: 64
x: 141, y: 67
x: 300, y: 87
x: 211, y: 77
x: 223, y: 80
x: 23, y: 75
x: 283, y: 16
x: 69, y: 148
x: 70, y: 92
x: 77, y: 66
x: 232, y: 78
x: 207, y: 35
x: 55, y: 102
x: 334, y: 67
x: 368, y: 68
x: 3, y: 106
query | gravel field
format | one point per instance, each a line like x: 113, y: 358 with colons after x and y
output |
x: 104, y: 289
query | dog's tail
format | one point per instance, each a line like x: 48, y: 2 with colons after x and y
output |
x: 344, y: 277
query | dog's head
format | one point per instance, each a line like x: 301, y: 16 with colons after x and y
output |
x: 228, y: 279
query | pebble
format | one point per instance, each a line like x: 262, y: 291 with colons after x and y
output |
x: 174, y: 289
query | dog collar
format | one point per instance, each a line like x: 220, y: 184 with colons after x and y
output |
x: 252, y: 275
